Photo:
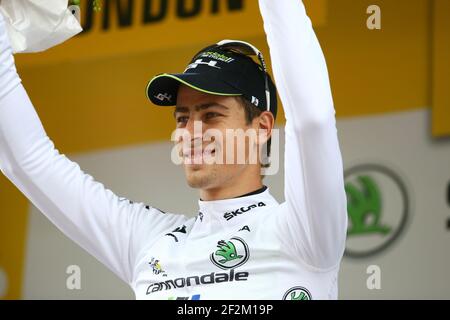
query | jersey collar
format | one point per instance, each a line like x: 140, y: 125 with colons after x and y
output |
x: 228, y: 210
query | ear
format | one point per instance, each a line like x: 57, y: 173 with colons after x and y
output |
x: 265, y: 124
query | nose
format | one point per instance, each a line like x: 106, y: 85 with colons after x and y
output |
x: 190, y: 126
x: 195, y: 127
x: 192, y: 136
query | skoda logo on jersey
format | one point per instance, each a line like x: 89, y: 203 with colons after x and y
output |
x: 230, y: 254
x: 297, y: 293
x: 230, y: 215
x: 378, y: 209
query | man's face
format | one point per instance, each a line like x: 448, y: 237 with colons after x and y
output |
x: 213, y: 116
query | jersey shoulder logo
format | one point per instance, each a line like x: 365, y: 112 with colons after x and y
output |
x: 297, y: 293
x: 230, y: 254
x: 181, y: 229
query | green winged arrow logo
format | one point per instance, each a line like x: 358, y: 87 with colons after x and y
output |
x: 231, y: 253
x: 227, y: 250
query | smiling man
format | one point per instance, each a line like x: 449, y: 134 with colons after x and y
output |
x: 220, y: 148
x: 242, y: 244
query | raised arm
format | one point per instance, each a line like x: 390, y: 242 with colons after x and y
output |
x: 112, y: 230
x: 314, y: 218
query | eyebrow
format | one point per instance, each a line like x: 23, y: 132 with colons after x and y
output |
x: 199, y: 107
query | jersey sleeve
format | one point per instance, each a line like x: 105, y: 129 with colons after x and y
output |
x: 313, y: 219
x: 112, y: 230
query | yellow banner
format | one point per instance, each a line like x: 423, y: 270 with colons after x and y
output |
x: 134, y: 26
x: 441, y: 69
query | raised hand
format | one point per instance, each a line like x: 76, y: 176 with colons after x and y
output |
x: 34, y: 26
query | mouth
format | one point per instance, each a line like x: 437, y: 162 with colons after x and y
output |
x: 192, y: 156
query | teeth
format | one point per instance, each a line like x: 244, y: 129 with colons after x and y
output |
x: 199, y: 155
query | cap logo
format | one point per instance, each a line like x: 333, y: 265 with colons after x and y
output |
x: 164, y: 96
x: 216, y: 56
x: 212, y: 63
x: 255, y: 101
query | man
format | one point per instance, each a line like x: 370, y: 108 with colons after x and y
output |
x: 242, y: 244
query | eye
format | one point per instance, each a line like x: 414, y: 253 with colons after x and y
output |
x: 181, y: 120
x: 210, y: 115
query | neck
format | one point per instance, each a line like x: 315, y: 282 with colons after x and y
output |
x: 231, y: 190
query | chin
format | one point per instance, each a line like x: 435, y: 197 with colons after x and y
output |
x: 199, y: 177
x: 195, y: 184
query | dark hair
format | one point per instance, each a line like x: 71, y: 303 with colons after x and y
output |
x: 251, y: 112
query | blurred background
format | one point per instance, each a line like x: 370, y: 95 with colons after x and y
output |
x: 389, y: 65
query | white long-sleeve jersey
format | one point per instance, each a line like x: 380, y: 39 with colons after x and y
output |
x: 250, y: 247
